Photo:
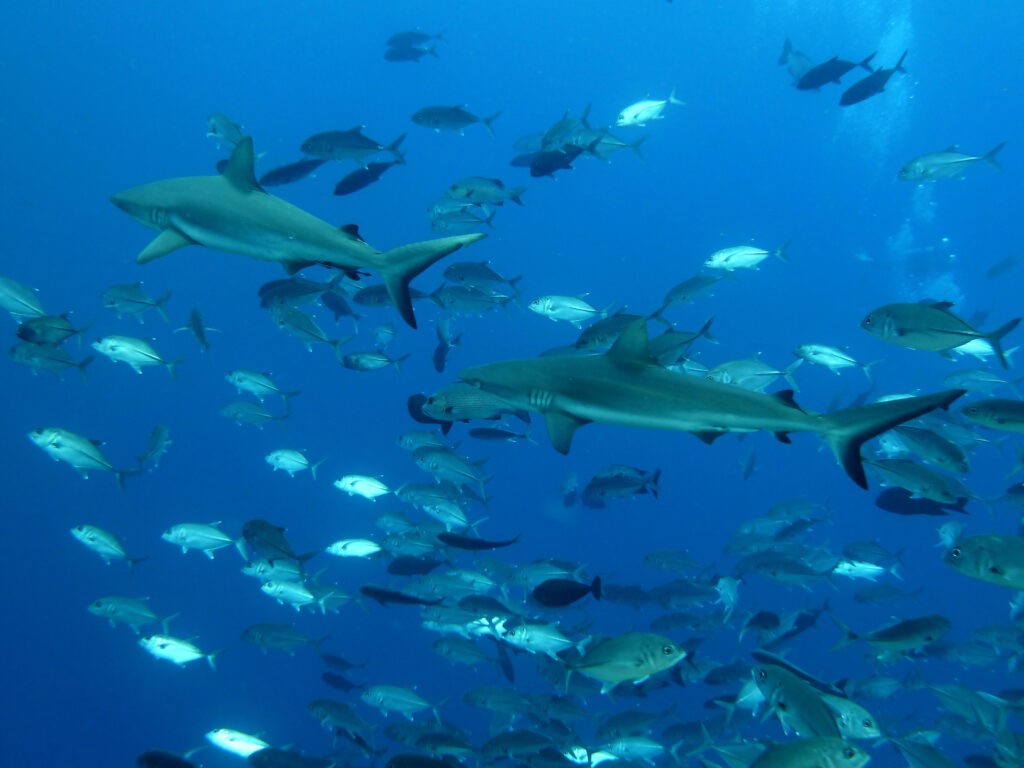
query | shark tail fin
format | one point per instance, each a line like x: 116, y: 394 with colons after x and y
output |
x: 848, y: 429
x: 996, y: 337
x: 990, y: 156
x: 400, y: 265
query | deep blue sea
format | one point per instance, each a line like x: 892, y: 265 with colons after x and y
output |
x: 100, y: 97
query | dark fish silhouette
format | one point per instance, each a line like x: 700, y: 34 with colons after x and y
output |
x: 830, y: 72
x: 472, y: 543
x: 900, y: 501
x: 342, y: 684
x: 386, y: 596
x: 556, y: 593
x: 288, y: 174
x: 412, y: 566
x: 157, y: 758
x: 870, y: 85
x: 361, y: 178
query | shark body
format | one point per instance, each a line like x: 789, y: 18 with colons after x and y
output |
x: 231, y: 212
x: 627, y: 387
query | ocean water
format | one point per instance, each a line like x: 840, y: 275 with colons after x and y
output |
x: 102, y: 97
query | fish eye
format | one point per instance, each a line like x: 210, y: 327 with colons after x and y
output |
x: 849, y: 753
x: 955, y: 553
x: 668, y: 650
x: 868, y: 723
x: 868, y: 320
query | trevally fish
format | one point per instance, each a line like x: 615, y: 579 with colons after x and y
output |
x: 950, y: 163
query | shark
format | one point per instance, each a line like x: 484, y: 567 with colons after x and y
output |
x: 627, y: 387
x: 230, y: 212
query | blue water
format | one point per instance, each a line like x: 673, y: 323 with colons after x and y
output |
x: 102, y: 97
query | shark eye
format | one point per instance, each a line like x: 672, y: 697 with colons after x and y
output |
x: 955, y: 553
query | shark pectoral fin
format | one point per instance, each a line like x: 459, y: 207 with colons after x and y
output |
x: 561, y: 427
x: 783, y: 437
x: 294, y: 265
x: 166, y: 242
x: 707, y: 436
x: 239, y: 171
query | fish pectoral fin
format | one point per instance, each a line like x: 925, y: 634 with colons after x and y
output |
x: 783, y: 437
x: 166, y: 242
x: 707, y: 436
x: 561, y: 427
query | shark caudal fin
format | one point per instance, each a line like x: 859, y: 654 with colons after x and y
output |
x: 400, y: 265
x: 848, y: 429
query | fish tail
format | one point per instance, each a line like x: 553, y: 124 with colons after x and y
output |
x: 211, y: 658
x: 673, y: 100
x: 240, y: 546
x: 848, y: 429
x: 83, y: 365
x: 867, y: 61
x: 312, y: 469
x: 400, y: 265
x: 996, y: 337
x: 489, y: 122
x: 787, y: 48
x: 652, y: 483
x: 849, y: 636
x: 287, y: 397
x: 899, y: 64
x: 397, y: 362
x: 595, y: 587
x: 781, y: 252
x: 159, y: 304
x: 172, y: 366
x: 133, y: 561
x: 337, y: 344
x: 635, y: 146
x: 165, y: 624
x: 787, y: 374
x: 393, y: 149
x: 990, y: 156
x: 658, y: 315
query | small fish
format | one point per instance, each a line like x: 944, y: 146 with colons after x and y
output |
x: 492, y: 433
x: 409, y: 52
x: 362, y: 485
x: 130, y: 300
x: 159, y: 442
x: 473, y: 543
x: 351, y: 145
x: 479, y: 190
x: 243, y: 412
x: 950, y: 163
x: 371, y: 361
x: 641, y: 112
x: 49, y: 330
x: 292, y: 172
x: 743, y: 257
x: 55, y: 360
x: 830, y: 71
x: 557, y: 593
x: 176, y: 651
x: 871, y: 85
x: 291, y: 461
x: 997, y: 413
x: 455, y: 118
x: 20, y: 300
x: 81, y: 453
x: 136, y: 353
x: 198, y: 328
x: 104, y: 544
x: 235, y: 742
x: 221, y: 128
x: 259, y: 385
x: 572, y: 309
x: 362, y: 178
x: 993, y: 558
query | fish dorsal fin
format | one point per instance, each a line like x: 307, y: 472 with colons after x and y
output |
x: 631, y: 346
x: 239, y: 170
x: 356, y: 129
x: 952, y: 148
x: 352, y: 230
x: 561, y: 427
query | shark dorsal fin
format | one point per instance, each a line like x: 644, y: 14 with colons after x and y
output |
x: 631, y: 346
x: 239, y: 170
x: 352, y: 230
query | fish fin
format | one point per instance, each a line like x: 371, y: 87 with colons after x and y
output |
x: 393, y: 146
x: 489, y: 121
x: 867, y: 62
x: 707, y: 436
x: 783, y: 437
x: 239, y: 171
x: 995, y: 339
x: 166, y: 242
x: 352, y: 230
x: 848, y: 429
x: 786, y: 396
x: 780, y: 252
x: 990, y: 156
x: 561, y: 427
x: 630, y: 349
x: 400, y: 265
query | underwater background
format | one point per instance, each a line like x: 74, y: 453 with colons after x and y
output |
x: 104, y: 96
